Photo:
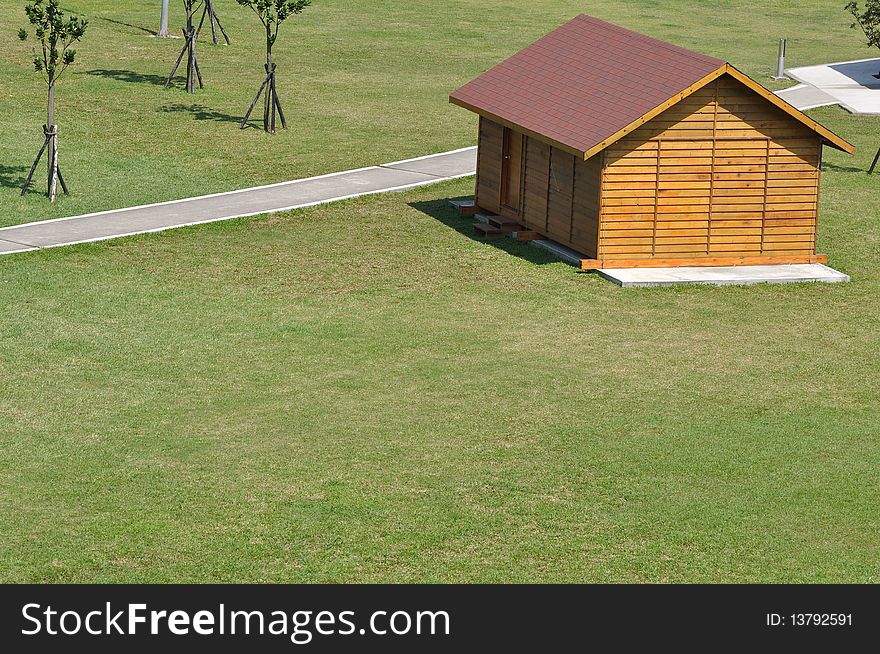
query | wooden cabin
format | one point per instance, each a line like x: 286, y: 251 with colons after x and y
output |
x: 635, y: 152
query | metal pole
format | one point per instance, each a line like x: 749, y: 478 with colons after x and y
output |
x: 780, y: 65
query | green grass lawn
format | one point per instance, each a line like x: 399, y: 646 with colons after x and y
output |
x: 364, y: 392
x: 361, y: 83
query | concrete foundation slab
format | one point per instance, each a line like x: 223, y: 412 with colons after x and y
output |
x: 565, y: 253
x: 723, y: 275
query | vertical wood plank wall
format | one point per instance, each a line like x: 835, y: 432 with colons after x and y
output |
x: 723, y: 173
x: 561, y: 196
x: 559, y: 193
x: 490, y: 146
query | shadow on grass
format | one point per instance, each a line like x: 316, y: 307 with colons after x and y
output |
x: 13, y: 176
x: 834, y: 168
x: 128, y: 76
x: 134, y: 27
x: 441, y: 211
x: 199, y: 112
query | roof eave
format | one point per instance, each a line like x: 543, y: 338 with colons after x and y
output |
x: 656, y: 111
x: 829, y: 137
x: 506, y: 123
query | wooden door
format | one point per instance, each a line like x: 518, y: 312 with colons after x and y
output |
x: 511, y: 170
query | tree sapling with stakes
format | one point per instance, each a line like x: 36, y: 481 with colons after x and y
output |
x: 55, y: 34
x: 193, y: 72
x: 271, y: 13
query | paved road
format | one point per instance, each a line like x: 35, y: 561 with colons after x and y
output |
x: 394, y: 176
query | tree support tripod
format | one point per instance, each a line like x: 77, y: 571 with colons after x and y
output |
x: 271, y: 102
x: 211, y: 14
x: 50, y: 142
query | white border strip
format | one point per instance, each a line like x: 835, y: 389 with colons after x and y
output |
x: 243, y: 215
x: 24, y: 248
x: 242, y: 190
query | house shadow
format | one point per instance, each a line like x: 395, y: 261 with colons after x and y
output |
x: 12, y: 176
x: 441, y: 211
x: 864, y: 73
x: 129, y: 76
x: 199, y: 112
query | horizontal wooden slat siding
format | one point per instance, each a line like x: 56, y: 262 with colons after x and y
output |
x: 684, y: 213
x: 629, y: 202
x: 489, y: 159
x: 536, y: 178
x: 790, y: 222
x: 721, y: 174
x: 736, y: 224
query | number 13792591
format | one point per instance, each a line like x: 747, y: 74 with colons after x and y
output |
x: 809, y: 620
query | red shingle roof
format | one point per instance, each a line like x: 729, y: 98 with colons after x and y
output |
x: 584, y: 82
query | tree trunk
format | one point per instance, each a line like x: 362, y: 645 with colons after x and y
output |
x: 163, y: 22
x: 50, y: 108
x: 53, y: 142
x: 269, y: 106
x: 190, y: 53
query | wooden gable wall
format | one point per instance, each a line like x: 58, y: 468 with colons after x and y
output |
x: 720, y: 175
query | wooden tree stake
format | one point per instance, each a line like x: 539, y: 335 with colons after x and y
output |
x: 211, y: 14
x: 271, y: 103
x: 193, y: 72
x: 50, y: 142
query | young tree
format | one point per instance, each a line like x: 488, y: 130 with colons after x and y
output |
x: 193, y: 71
x: 868, y: 20
x: 271, y: 13
x: 55, y: 34
x: 163, y: 21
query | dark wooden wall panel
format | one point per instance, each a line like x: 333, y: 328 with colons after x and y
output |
x: 560, y: 196
x: 536, y: 174
x: 585, y: 206
x: 489, y: 159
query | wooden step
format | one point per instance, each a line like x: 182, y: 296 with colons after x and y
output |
x: 488, y: 230
x: 510, y: 224
x: 483, y: 217
x: 465, y: 207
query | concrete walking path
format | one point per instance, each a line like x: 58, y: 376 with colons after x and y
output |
x: 394, y: 176
x: 851, y: 84
x: 805, y: 96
